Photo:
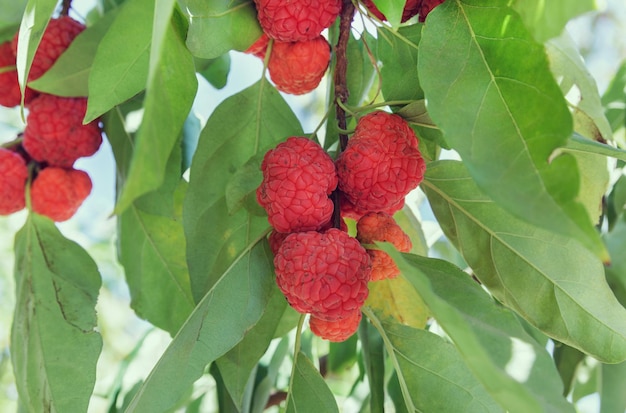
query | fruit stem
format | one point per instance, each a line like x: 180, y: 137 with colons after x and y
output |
x: 67, y: 5
x: 341, y: 89
x: 341, y: 69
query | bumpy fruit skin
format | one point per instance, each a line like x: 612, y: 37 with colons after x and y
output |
x: 324, y: 274
x: 411, y: 8
x: 298, y: 67
x: 276, y: 238
x: 349, y: 210
x: 13, y: 176
x: 56, y: 39
x: 54, y: 131
x: 58, y: 192
x: 381, y: 163
x: 10, y: 94
x: 336, y: 330
x: 296, y: 20
x: 298, y: 177
x: 380, y: 226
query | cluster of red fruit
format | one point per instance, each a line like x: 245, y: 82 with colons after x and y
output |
x: 322, y: 270
x: 54, y: 137
x: 299, y: 55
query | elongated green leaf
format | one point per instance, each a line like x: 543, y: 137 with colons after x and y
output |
x: 215, y: 71
x: 361, y: 70
x: 616, y: 272
x: 309, y: 392
x: 267, y: 383
x: 433, y: 372
x: 237, y: 365
x: 120, y: 67
x: 12, y: 12
x: 398, y: 54
x: 514, y: 369
x: 567, y: 359
x: 580, y: 87
x: 152, y: 251
x: 54, y: 345
x: 69, y: 75
x: 547, y: 19
x: 578, y: 144
x: 613, y: 100
x: 612, y: 395
x: 34, y: 22
x: 168, y: 101
x: 489, y: 89
x: 217, y: 26
x: 391, y: 9
x: 397, y: 299
x: 374, y: 361
x: 243, y: 126
x: 551, y: 281
x: 233, y: 305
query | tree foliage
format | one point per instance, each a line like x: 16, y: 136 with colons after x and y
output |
x: 524, y: 179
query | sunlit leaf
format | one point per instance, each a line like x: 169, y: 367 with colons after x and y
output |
x: 547, y: 19
x: 397, y: 299
x: 432, y: 371
x: 550, y: 280
x: 244, y: 125
x: 53, y: 337
x: 233, y: 305
x: 490, y: 90
x: 514, y: 369
x: 309, y: 392
x: 217, y: 26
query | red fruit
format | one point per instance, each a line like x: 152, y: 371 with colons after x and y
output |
x: 13, y: 176
x: 383, y: 266
x: 298, y: 177
x: 10, y: 94
x: 55, y: 132
x: 349, y: 210
x: 259, y: 47
x: 58, y: 192
x: 296, y: 20
x: 381, y: 163
x: 298, y: 67
x: 379, y: 226
x: 411, y: 8
x: 324, y: 274
x: 336, y: 330
x: 56, y: 39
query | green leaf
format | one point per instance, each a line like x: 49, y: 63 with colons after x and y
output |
x: 579, y: 144
x: 34, y: 22
x: 395, y: 298
x: 309, y: 392
x: 398, y: 54
x: 215, y: 71
x: 54, y: 345
x: 547, y: 19
x: 69, y: 75
x: 233, y: 305
x: 612, y: 395
x: 152, y: 251
x: 361, y: 69
x: 238, y: 364
x: 580, y: 87
x: 374, y: 361
x: 12, y: 12
x: 217, y: 26
x: 120, y: 67
x: 240, y: 127
x: 550, y: 280
x: 392, y: 10
x: 616, y: 272
x: 432, y: 371
x: 266, y: 384
x: 514, y: 369
x: 169, y: 98
x: 241, y: 189
x: 342, y: 355
x: 490, y: 91
x: 613, y: 100
x: 567, y: 359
